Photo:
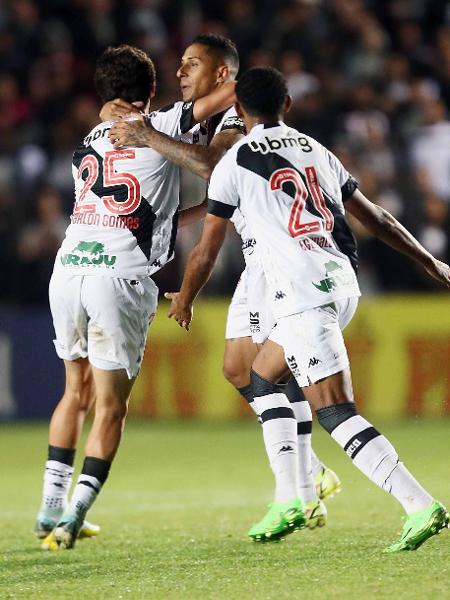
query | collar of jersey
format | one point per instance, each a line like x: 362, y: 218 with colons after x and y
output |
x: 260, y: 126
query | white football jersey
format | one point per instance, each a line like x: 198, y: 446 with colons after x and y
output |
x: 231, y: 120
x: 290, y: 190
x: 126, y: 201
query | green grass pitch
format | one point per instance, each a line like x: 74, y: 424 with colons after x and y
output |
x: 177, y: 507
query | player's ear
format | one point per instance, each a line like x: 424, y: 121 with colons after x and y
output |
x: 223, y: 74
x: 153, y: 91
x: 287, y: 103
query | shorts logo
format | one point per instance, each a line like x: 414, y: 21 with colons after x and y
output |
x: 254, y: 318
x: 293, y: 366
x: 248, y: 245
x: 330, y: 282
x: 313, y: 362
x: 279, y: 295
x: 254, y: 322
x: 88, y: 254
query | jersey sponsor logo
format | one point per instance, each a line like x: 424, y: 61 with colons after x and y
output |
x: 100, y: 133
x: 88, y: 254
x: 233, y: 123
x: 279, y: 295
x: 277, y: 143
x: 331, y: 282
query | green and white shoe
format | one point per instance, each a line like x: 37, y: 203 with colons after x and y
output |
x: 316, y: 514
x: 65, y: 534
x: 419, y: 526
x: 282, y: 519
x: 44, y: 525
x: 327, y: 483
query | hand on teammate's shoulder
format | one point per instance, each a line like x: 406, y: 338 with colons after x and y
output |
x: 119, y: 109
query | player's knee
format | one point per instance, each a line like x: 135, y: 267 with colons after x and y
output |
x: 76, y: 396
x: 111, y: 411
x: 234, y: 372
x: 332, y: 416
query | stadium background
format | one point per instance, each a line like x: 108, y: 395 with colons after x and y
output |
x: 371, y: 80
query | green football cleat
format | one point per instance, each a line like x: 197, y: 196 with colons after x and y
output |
x: 65, y: 534
x: 45, y: 525
x: 327, y: 483
x: 316, y: 514
x: 282, y: 519
x: 420, y: 526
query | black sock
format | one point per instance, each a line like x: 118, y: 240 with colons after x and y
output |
x: 62, y: 455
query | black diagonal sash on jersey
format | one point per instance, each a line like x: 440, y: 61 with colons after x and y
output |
x: 342, y: 234
x: 144, y: 212
x: 265, y: 165
x: 211, y: 125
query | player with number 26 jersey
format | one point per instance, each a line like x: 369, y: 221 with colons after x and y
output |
x: 306, y: 247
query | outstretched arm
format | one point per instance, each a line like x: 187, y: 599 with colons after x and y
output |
x: 190, y: 215
x: 198, y: 270
x: 220, y: 99
x: 380, y: 223
x: 201, y: 160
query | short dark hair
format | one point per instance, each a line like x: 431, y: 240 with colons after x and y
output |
x: 262, y: 91
x: 222, y: 46
x: 124, y: 72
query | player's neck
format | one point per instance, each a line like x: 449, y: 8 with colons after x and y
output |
x: 252, y: 121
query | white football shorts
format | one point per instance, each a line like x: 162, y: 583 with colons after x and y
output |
x: 249, y: 313
x: 312, y: 340
x: 105, y: 319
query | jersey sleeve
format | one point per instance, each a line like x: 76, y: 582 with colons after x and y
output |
x: 232, y: 122
x: 347, y: 182
x: 223, y: 196
x: 173, y: 120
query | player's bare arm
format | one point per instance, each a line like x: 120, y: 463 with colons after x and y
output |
x: 217, y: 101
x: 192, y: 214
x: 198, y: 270
x: 201, y: 160
x: 380, y: 223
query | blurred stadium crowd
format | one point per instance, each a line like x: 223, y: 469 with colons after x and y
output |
x: 369, y: 79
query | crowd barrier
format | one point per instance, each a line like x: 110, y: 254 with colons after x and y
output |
x: 399, y: 350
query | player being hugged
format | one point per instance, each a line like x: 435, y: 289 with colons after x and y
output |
x: 102, y: 297
x: 293, y: 193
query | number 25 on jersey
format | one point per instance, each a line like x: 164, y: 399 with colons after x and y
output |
x: 128, y: 202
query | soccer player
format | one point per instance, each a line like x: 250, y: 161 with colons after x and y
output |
x: 294, y: 193
x: 102, y: 297
x: 202, y: 60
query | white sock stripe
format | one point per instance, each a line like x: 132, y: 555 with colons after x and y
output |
x: 276, y: 400
x: 349, y: 428
x: 302, y: 411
